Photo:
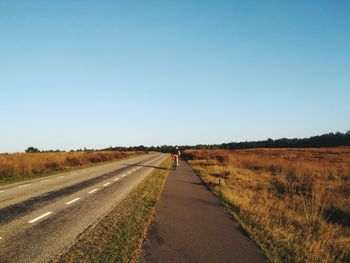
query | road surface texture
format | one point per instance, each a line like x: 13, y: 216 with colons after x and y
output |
x: 41, y: 218
x: 191, y: 225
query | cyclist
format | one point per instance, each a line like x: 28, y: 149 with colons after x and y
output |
x: 175, y: 154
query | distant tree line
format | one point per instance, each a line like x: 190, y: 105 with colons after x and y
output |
x: 163, y: 148
x: 325, y: 140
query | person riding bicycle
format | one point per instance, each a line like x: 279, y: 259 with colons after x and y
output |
x: 175, y: 154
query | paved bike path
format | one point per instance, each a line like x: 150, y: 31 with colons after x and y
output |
x: 191, y: 225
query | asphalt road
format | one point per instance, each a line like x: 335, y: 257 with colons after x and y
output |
x: 41, y: 218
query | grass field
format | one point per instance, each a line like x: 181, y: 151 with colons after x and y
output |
x: 22, y: 166
x: 295, y: 203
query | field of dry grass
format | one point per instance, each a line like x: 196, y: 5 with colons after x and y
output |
x: 295, y: 203
x: 22, y: 166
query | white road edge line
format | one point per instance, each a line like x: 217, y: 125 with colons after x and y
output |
x: 72, y: 201
x: 93, y: 191
x: 106, y: 184
x: 116, y: 179
x: 61, y: 176
x: 42, y: 181
x: 39, y: 217
x: 24, y: 185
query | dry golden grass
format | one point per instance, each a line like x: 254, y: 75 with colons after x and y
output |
x: 21, y: 166
x: 294, y: 202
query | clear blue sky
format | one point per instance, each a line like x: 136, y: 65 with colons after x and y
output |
x: 98, y: 73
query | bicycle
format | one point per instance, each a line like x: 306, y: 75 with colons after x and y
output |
x: 174, y: 165
x: 175, y: 162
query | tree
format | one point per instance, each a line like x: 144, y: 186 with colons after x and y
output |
x: 32, y: 150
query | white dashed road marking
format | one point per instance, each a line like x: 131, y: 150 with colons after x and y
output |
x: 93, y: 191
x: 72, y: 201
x: 2, y: 191
x: 106, y: 184
x: 39, y: 217
x: 116, y: 179
x: 61, y: 176
x: 25, y: 185
x: 44, y: 180
x: 123, y: 175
